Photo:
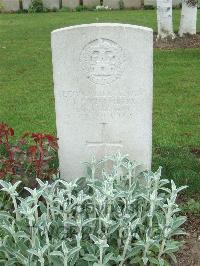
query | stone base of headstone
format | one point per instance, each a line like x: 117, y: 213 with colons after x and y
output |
x: 91, y: 3
x: 113, y: 4
x: 9, y: 5
x: 51, y: 4
x: 26, y: 4
x: 72, y: 4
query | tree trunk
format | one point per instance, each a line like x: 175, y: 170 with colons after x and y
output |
x: 164, y: 19
x: 188, y: 17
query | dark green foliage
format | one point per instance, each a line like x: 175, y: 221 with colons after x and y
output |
x: 149, y: 7
x: 81, y: 8
x: 192, y: 206
x: 36, y: 6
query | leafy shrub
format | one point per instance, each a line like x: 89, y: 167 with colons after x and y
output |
x: 191, y: 2
x: 121, y: 4
x: 65, y: 9
x: 117, y: 218
x: 192, y: 206
x: 36, y: 6
x: 55, y: 9
x: 81, y: 8
x: 32, y: 156
x: 103, y: 8
x: 149, y: 7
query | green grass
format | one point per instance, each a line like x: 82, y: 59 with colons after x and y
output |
x: 26, y: 88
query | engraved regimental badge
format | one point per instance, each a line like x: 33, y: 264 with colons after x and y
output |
x: 102, y: 60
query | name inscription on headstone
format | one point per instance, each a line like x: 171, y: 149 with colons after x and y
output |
x: 105, y: 107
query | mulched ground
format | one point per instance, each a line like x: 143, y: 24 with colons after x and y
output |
x: 189, y: 41
x: 190, y: 253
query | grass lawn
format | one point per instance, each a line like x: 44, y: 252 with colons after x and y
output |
x: 26, y: 88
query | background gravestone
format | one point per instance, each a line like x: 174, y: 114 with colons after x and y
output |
x: 51, y: 4
x: 114, y: 4
x: 103, y: 93
x: 72, y: 4
x: 132, y: 3
x: 9, y: 5
x: 91, y: 3
x: 26, y: 4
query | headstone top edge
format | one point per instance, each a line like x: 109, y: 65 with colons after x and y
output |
x: 121, y: 25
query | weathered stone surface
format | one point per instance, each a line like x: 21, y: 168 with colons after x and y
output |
x: 149, y: 2
x: 176, y: 2
x: 51, y: 4
x: 103, y: 93
x: 91, y: 3
x: 114, y: 4
x: 9, y: 5
x: 153, y: 2
x: 26, y: 4
x: 132, y: 3
x: 72, y: 4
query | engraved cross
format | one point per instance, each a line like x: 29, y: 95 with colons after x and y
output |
x: 104, y: 144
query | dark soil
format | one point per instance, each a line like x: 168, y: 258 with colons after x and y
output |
x: 196, y: 151
x: 190, y: 253
x: 188, y: 41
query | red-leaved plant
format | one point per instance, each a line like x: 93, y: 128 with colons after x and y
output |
x: 32, y: 156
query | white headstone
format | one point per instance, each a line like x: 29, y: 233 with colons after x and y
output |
x: 114, y: 4
x: 91, y: 3
x: 72, y: 4
x: 51, y: 4
x: 26, y: 4
x: 103, y: 93
x: 9, y: 5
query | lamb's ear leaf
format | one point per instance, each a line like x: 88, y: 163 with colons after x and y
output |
x: 154, y: 261
x: 37, y: 243
x: 136, y: 260
x: 172, y: 256
x: 5, y: 215
x: 32, y: 251
x: 90, y: 220
x: 94, y: 238
x: 74, y: 251
x: 17, y: 184
x: 90, y: 248
x: 42, y: 207
x: 181, y: 188
x: 107, y: 258
x: 5, y: 184
x: 22, y: 234
x: 178, y: 221
x: 90, y: 257
x: 56, y: 253
x: 74, y: 259
x: 113, y: 228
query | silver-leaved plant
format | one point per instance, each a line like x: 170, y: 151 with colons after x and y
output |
x: 117, y: 217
